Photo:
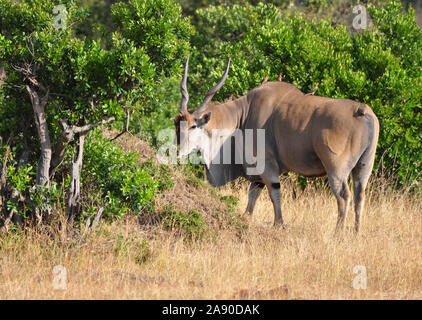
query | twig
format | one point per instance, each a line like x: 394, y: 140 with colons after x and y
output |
x: 127, y: 125
x: 84, y: 129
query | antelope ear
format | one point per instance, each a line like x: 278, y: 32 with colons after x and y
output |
x: 204, y: 119
x: 177, y: 119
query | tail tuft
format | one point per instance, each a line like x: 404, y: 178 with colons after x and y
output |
x: 360, y: 110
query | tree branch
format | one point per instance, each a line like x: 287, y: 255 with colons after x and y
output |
x: 68, y: 134
x: 84, y: 129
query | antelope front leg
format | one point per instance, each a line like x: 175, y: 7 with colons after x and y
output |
x: 254, y: 191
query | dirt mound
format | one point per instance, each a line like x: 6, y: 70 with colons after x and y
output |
x: 188, y: 192
x: 129, y: 142
x: 185, y: 196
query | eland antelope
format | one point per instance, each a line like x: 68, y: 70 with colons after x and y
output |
x: 310, y: 135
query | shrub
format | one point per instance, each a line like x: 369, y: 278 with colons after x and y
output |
x: 124, y: 185
x: 161, y: 173
x: 75, y: 84
x: 159, y: 112
x: 191, y: 222
x: 230, y: 201
x: 156, y: 25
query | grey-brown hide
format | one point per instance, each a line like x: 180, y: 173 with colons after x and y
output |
x: 306, y: 134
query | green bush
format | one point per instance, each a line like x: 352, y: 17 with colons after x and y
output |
x: 230, y: 201
x: 191, y: 222
x: 156, y: 25
x: 124, y: 184
x: 159, y: 112
x: 225, y: 32
x: 20, y: 179
x: 161, y: 173
x: 84, y: 83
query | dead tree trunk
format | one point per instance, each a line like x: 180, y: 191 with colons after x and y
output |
x: 73, y: 200
x: 38, y: 105
x: 73, y: 203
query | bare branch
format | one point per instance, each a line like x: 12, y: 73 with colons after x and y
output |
x: 37, y: 84
x: 5, y: 226
x: 88, y: 226
x: 32, y: 52
x: 84, y: 129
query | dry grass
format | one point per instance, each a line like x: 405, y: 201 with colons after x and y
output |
x: 303, y: 262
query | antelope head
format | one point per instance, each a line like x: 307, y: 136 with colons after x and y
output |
x: 192, y: 126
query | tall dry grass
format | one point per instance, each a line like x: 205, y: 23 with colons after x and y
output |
x: 304, y: 261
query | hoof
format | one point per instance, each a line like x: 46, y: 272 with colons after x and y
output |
x: 356, y: 229
x: 338, y: 234
x: 246, y: 217
x: 280, y: 225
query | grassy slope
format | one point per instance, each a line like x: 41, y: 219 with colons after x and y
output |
x: 126, y: 259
